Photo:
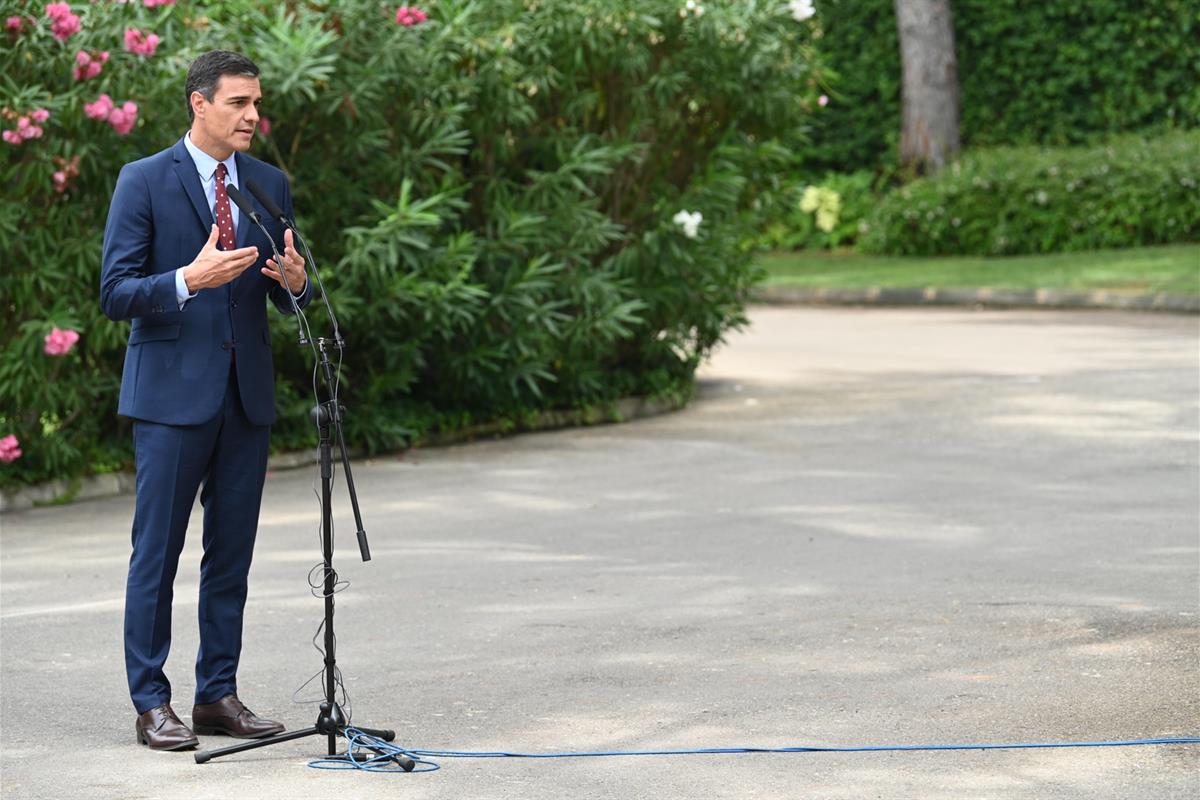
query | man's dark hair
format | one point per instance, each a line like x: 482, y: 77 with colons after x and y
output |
x: 206, y: 71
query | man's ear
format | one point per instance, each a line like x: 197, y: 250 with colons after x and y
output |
x: 197, y: 100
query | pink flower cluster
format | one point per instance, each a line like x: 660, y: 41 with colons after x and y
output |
x: 88, y: 65
x: 153, y: 3
x: 264, y: 126
x: 141, y: 44
x: 66, y: 172
x: 14, y: 24
x: 409, y: 16
x: 10, y: 449
x: 27, y: 126
x: 59, y: 342
x: 63, y: 24
x: 121, y: 119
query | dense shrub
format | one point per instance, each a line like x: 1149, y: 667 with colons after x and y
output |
x: 1000, y: 201
x: 492, y: 192
x: 1062, y: 72
x: 825, y: 214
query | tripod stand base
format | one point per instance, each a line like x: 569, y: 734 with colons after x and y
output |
x: 203, y: 756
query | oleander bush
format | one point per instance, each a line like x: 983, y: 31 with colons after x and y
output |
x: 1130, y: 192
x: 518, y: 205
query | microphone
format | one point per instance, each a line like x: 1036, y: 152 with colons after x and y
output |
x: 243, y: 204
x: 267, y: 202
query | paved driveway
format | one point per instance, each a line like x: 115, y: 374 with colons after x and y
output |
x: 871, y: 527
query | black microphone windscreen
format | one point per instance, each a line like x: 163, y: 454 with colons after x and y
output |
x: 242, y: 201
x: 265, y: 199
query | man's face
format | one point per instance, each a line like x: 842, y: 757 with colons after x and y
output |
x: 228, y: 122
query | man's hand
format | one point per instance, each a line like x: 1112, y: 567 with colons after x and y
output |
x: 293, y: 267
x: 213, y: 267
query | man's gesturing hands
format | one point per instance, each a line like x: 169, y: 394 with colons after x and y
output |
x: 213, y: 267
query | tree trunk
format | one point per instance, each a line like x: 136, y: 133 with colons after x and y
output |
x: 929, y: 95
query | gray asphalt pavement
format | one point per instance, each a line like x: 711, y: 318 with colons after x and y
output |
x: 871, y: 527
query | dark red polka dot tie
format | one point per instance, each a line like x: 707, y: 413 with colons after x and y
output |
x: 227, y: 237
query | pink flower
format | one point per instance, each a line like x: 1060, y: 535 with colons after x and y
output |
x: 153, y: 3
x: 63, y: 23
x: 40, y: 115
x: 99, y: 109
x: 140, y: 43
x: 264, y: 126
x: 408, y: 17
x: 124, y: 118
x: 59, y: 342
x: 27, y: 130
x: 60, y: 181
x: 12, y: 137
x: 14, y: 24
x: 10, y: 449
x: 822, y: 101
x: 89, y: 65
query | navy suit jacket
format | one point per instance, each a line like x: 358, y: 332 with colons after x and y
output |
x: 177, y: 362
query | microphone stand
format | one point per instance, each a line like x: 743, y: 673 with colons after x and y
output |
x: 327, y: 414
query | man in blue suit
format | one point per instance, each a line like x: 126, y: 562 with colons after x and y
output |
x: 194, y: 277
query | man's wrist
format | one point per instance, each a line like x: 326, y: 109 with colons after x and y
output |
x: 184, y: 290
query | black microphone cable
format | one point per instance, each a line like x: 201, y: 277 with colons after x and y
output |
x: 276, y: 212
x: 243, y: 204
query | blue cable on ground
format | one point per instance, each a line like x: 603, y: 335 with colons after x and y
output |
x: 384, y: 752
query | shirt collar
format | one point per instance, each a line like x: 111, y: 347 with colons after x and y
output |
x: 206, y: 165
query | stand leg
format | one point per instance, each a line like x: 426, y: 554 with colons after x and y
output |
x: 204, y: 755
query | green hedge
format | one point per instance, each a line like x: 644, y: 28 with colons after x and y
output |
x: 1060, y: 72
x: 1001, y: 201
x: 492, y: 194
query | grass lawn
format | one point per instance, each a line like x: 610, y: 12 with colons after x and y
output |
x: 1174, y: 268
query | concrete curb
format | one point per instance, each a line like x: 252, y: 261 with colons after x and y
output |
x: 986, y: 297
x: 61, y: 492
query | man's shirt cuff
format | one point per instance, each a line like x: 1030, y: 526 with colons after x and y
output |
x: 181, y: 290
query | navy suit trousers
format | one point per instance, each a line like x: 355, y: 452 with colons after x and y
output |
x: 228, y: 456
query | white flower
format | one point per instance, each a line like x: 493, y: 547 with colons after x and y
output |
x: 801, y: 9
x: 689, y: 221
x: 810, y: 200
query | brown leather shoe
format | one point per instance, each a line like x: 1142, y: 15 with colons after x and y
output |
x: 160, y: 729
x: 229, y: 717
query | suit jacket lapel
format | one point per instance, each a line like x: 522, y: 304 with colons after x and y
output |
x: 185, y: 168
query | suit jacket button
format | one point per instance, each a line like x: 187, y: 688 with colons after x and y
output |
x: 226, y: 345
x: 233, y: 303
